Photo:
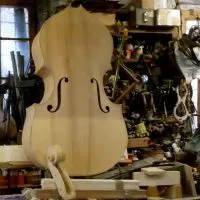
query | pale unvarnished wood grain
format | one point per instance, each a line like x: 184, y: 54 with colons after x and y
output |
x: 96, y: 184
x: 153, y: 171
x: 169, y: 178
x: 107, y: 19
x: 75, y: 45
x: 117, y: 194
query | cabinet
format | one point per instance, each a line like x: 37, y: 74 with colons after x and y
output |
x: 144, y: 82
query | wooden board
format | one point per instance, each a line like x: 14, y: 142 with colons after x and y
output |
x: 89, y: 188
x: 75, y: 45
x: 138, y: 142
x: 126, y: 171
x: 118, y: 194
x: 13, y: 156
x: 153, y: 171
x: 169, y: 178
x: 187, y: 179
x: 96, y: 185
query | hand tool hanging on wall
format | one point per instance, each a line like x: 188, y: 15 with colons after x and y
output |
x: 20, y: 65
x: 119, y: 60
x: 180, y: 110
x: 20, y: 103
x: 10, y: 123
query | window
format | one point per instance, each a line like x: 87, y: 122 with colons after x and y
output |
x: 14, y: 36
x: 194, y: 83
x: 189, y: 24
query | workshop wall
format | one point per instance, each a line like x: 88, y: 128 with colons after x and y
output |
x: 188, y: 15
x: 45, y: 9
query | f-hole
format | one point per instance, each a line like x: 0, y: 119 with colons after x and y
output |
x: 50, y: 108
x: 107, y: 108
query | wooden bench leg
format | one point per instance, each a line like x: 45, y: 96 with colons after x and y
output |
x: 152, y: 191
x: 174, y: 192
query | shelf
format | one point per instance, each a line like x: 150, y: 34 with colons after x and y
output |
x: 132, y: 60
x: 13, y: 156
x: 16, y: 165
x: 153, y: 30
x: 26, y: 186
x: 138, y: 142
x: 3, y: 187
x: 146, y: 30
x: 19, y: 186
x: 127, y: 161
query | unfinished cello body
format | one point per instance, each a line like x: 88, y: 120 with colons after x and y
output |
x: 72, y: 52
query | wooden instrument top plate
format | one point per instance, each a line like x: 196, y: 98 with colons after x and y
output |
x: 72, y: 44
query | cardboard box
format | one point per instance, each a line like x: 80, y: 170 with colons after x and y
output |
x: 160, y: 4
x: 141, y: 17
x: 168, y: 17
x: 150, y: 4
x: 138, y: 142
